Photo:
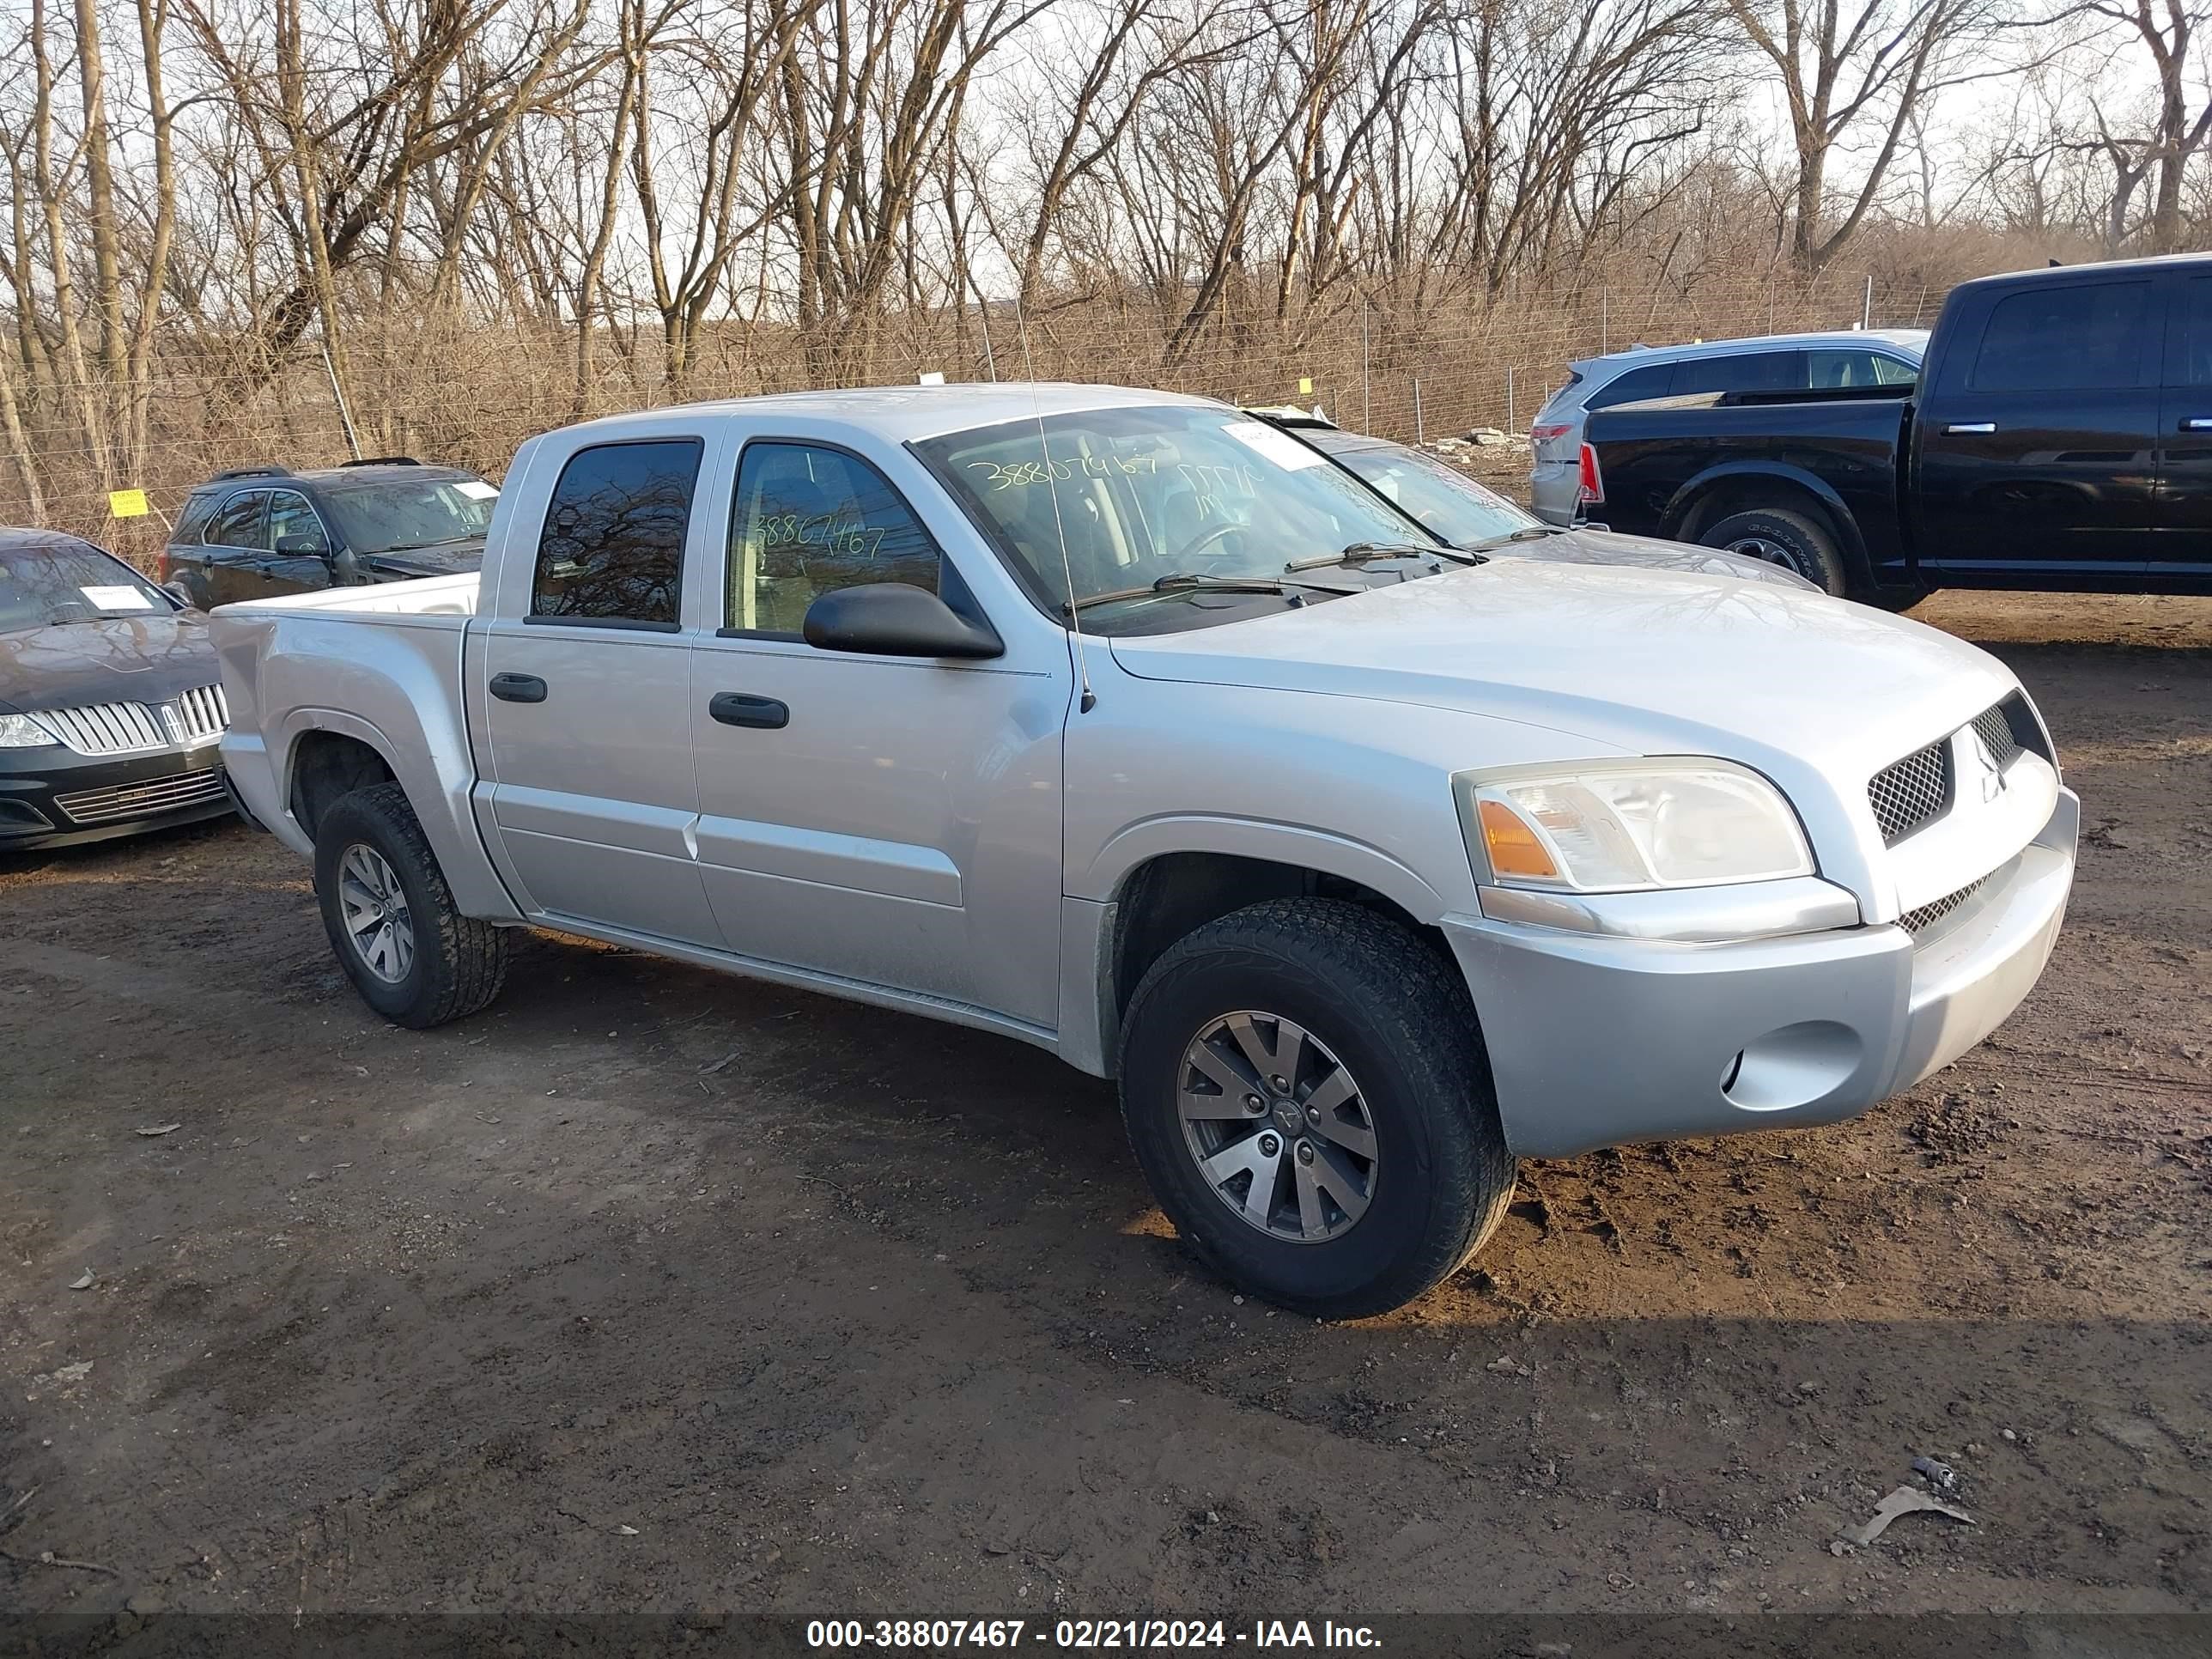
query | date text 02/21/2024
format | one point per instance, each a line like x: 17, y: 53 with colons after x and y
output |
x: 1125, y: 1634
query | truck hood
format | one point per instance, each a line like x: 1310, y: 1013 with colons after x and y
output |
x: 1637, y: 661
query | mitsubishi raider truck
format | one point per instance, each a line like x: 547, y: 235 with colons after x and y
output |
x: 1126, y: 726
x: 2059, y: 437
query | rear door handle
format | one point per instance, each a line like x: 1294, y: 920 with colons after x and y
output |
x: 1972, y: 426
x: 736, y: 709
x: 2197, y: 423
x: 518, y: 688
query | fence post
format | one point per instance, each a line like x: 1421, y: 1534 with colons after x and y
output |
x: 1366, y: 389
x: 1605, y: 322
x: 1509, y: 421
x: 1866, y: 311
x: 1420, y: 435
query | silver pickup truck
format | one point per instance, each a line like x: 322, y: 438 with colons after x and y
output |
x: 1131, y: 726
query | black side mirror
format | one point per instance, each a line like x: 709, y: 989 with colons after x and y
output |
x: 345, y: 567
x: 297, y: 547
x: 895, y: 619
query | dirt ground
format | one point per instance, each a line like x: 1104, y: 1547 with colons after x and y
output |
x: 649, y: 1289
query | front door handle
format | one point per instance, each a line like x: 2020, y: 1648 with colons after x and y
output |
x: 1972, y: 426
x: 737, y: 709
x: 2197, y: 423
x: 518, y: 688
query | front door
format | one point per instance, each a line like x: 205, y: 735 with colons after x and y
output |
x: 2036, y: 448
x: 297, y: 559
x: 2181, y: 552
x: 892, y: 821
x: 588, y: 700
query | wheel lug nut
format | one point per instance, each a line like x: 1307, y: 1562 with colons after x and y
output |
x: 1280, y: 1084
x: 1254, y: 1104
x: 1305, y: 1151
x: 1313, y: 1114
x: 1269, y: 1146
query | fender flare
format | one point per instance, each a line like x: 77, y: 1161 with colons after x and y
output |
x: 1859, y: 571
x: 1135, y: 845
x: 477, y: 887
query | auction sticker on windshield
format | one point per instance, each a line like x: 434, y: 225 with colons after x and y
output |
x: 1286, y: 453
x: 118, y: 597
x: 476, y: 490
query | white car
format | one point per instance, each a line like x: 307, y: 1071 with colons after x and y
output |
x: 1768, y: 362
x: 1126, y: 726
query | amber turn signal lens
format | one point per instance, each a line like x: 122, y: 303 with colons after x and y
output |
x: 1513, y: 847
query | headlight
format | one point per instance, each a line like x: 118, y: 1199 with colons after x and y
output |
x: 1640, y: 824
x: 21, y: 732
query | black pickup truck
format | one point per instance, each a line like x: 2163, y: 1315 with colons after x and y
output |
x: 2060, y: 437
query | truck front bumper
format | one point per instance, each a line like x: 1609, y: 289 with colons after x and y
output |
x: 1600, y: 1041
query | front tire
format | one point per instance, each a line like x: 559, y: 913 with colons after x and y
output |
x: 1374, y: 1164
x: 392, y: 922
x: 1780, y: 536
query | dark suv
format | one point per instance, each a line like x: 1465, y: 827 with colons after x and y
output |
x: 262, y: 530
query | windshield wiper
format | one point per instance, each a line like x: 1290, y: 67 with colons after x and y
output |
x: 1180, y: 581
x: 442, y: 541
x: 1366, y: 552
x: 1527, y: 532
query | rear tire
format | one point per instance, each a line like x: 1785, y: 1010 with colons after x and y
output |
x: 1372, y: 1027
x: 406, y: 946
x: 1780, y: 536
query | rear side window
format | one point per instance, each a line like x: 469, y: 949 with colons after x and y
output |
x: 809, y: 521
x: 192, y: 522
x: 1753, y: 371
x: 239, y: 522
x: 612, y: 548
x: 2079, y: 337
x: 1633, y: 387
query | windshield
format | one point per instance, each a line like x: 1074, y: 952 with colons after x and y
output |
x: 399, y: 515
x: 1159, y: 491
x: 63, y: 581
x: 1436, y: 493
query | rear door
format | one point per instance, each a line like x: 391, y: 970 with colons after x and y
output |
x: 889, y: 820
x: 589, y: 680
x: 2181, y: 547
x: 235, y: 543
x: 2035, y: 446
x: 1743, y: 371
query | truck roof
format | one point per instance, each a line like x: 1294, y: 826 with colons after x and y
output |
x: 2038, y: 273
x: 905, y: 412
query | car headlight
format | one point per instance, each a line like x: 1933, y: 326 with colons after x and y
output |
x: 1604, y: 827
x: 21, y: 732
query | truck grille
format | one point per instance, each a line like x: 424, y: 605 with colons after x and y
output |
x: 1914, y: 922
x: 200, y: 715
x: 143, y: 800
x: 1908, y: 793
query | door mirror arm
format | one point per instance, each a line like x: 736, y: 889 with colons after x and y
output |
x: 897, y: 619
x: 345, y: 567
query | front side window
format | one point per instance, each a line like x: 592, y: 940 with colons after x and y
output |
x: 1439, y: 495
x: 239, y: 522
x: 395, y: 516
x: 810, y: 520
x: 612, y: 548
x: 1849, y: 367
x: 2083, y: 336
x: 292, y: 524
x: 1139, y: 503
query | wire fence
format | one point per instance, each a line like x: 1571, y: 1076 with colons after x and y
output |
x: 469, y: 394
